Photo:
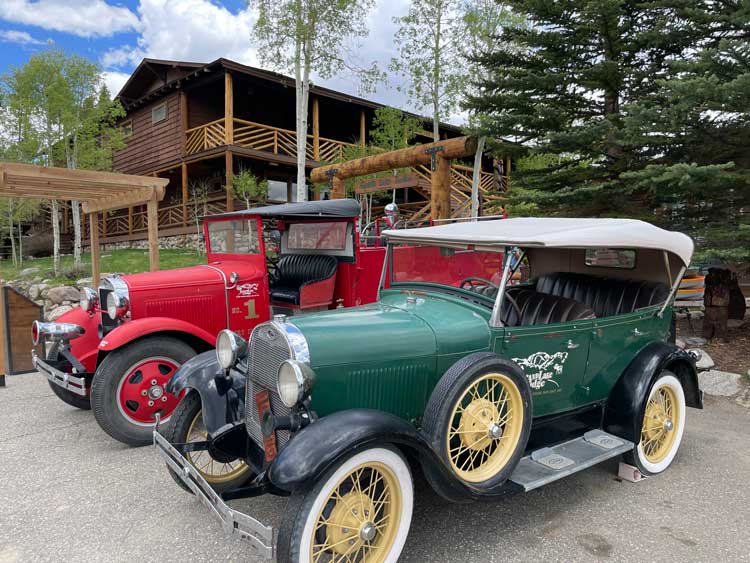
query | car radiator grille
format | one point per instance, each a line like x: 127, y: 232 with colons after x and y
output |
x: 268, y: 350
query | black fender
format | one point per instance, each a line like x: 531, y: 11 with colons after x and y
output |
x: 317, y: 447
x: 623, y: 414
x: 222, y: 394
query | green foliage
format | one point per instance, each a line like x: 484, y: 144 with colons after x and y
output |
x: 645, y: 104
x: 392, y: 129
x: 248, y: 188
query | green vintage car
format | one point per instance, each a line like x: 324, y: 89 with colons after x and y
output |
x: 550, y: 354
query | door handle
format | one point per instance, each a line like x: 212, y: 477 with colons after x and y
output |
x: 637, y: 332
x: 572, y: 345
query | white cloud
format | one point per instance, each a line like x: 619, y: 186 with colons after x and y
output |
x: 114, y: 81
x: 19, y: 37
x: 85, y: 18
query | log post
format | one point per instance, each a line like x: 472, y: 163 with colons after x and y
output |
x: 338, y: 191
x: 440, y: 197
x: 228, y: 110
x: 95, y: 254
x: 362, y: 128
x: 153, y: 232
x: 185, y: 196
x: 316, y: 128
x: 228, y: 162
x: 130, y: 220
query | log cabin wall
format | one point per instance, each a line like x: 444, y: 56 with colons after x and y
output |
x: 152, y: 146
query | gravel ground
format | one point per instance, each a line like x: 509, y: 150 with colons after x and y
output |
x: 70, y: 493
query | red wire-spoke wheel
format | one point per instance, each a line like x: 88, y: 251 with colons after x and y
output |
x: 142, y: 394
x: 129, y: 387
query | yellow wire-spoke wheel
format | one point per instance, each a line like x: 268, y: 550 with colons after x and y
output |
x: 484, y: 427
x: 360, y: 520
x: 215, y: 472
x: 660, y: 420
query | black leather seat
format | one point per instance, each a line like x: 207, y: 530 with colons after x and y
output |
x: 541, y: 309
x: 606, y: 296
x: 298, y: 270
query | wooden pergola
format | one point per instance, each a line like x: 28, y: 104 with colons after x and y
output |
x: 97, y: 192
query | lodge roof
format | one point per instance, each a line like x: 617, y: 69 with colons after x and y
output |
x: 153, y: 78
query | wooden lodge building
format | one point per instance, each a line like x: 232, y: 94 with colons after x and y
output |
x: 196, y: 124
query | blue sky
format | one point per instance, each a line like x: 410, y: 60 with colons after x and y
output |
x: 117, y: 34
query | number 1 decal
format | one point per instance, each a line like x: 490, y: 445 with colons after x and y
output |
x: 251, y: 314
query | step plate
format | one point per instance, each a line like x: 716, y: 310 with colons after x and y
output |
x: 590, y: 449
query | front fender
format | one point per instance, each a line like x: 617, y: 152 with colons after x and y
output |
x: 222, y: 396
x: 623, y: 415
x: 132, y: 330
x: 317, y: 447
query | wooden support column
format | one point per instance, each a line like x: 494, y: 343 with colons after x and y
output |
x: 130, y: 220
x: 228, y: 161
x: 184, y: 172
x: 228, y: 110
x: 338, y: 191
x: 440, y: 198
x: 152, y: 215
x: 183, y: 117
x: 362, y: 128
x: 95, y: 253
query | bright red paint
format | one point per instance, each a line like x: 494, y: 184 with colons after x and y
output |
x: 141, y: 391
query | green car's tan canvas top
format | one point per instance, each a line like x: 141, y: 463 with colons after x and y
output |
x: 551, y: 233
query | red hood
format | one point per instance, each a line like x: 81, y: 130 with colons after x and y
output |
x: 192, y: 276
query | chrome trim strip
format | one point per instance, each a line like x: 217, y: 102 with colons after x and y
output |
x: 257, y: 534
x: 226, y: 289
x: 384, y: 270
x: 67, y: 381
x: 296, y: 340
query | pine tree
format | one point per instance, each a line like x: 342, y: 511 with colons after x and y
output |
x: 640, y: 105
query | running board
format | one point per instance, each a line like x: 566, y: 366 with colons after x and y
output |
x: 550, y: 464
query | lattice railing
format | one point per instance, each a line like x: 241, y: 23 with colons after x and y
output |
x: 205, y: 136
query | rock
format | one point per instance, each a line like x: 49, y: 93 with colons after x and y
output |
x: 744, y: 399
x: 679, y: 342
x: 29, y: 271
x: 84, y: 282
x: 706, y: 361
x: 57, y: 312
x: 721, y: 383
x: 64, y: 293
x: 35, y: 291
x: 694, y: 341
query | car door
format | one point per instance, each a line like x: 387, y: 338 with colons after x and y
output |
x: 554, y: 359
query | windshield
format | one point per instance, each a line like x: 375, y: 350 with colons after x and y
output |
x: 445, y: 266
x: 233, y: 237
x: 317, y: 236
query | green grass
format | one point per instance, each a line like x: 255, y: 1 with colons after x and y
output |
x: 115, y: 261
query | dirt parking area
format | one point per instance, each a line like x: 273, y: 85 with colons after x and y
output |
x: 70, y: 493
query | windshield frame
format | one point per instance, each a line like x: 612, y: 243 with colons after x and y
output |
x: 217, y: 256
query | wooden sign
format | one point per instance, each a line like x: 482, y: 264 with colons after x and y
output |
x: 387, y: 183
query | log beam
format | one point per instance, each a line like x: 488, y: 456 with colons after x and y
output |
x: 118, y: 201
x: 458, y: 147
x: 362, y: 128
x: 440, y: 196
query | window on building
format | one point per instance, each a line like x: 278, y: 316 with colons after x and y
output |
x: 159, y: 113
x: 278, y: 190
x: 126, y: 128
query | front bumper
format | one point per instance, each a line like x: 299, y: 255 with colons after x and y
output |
x: 257, y: 534
x: 80, y: 384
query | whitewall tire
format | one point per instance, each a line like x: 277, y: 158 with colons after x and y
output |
x: 360, y: 510
x: 663, y: 426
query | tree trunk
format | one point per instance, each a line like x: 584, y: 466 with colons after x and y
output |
x: 20, y: 246
x: 436, y: 78
x: 55, y: 237
x: 476, y: 177
x: 300, y: 115
x: 76, y: 234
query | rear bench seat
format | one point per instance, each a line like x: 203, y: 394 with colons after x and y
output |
x: 606, y: 296
x: 541, y: 309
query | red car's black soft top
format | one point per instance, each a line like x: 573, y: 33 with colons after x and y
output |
x: 323, y: 208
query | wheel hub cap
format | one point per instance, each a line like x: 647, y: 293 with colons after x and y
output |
x: 155, y: 392
x: 668, y: 425
x: 477, y: 422
x: 347, y: 531
x: 141, y: 391
x: 367, y: 531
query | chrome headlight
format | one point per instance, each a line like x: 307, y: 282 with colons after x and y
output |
x: 89, y: 300
x: 229, y: 347
x: 117, y: 305
x: 294, y: 380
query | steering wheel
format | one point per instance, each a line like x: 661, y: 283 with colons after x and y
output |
x: 472, y: 282
x: 273, y: 272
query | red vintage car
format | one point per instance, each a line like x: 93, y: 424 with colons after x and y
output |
x: 118, y: 350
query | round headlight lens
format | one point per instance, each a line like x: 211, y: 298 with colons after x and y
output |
x: 229, y: 347
x: 89, y: 299
x: 112, y: 302
x: 290, y: 384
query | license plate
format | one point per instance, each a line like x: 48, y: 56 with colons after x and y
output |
x: 263, y: 402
